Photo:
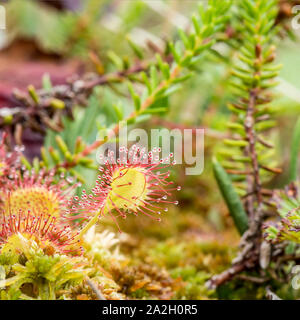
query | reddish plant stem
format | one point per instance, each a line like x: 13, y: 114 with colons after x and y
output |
x: 251, y: 138
x: 225, y: 276
x: 146, y: 104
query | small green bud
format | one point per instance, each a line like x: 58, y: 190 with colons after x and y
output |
x: 57, y: 104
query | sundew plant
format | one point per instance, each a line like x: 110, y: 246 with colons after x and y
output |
x: 149, y: 150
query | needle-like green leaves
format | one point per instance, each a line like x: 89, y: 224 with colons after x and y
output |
x: 295, y: 150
